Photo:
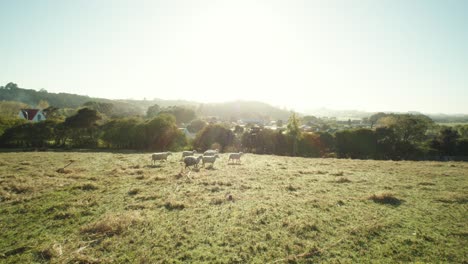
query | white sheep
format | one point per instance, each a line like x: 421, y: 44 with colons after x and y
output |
x: 192, y: 161
x: 210, y: 152
x: 160, y: 156
x: 188, y: 153
x: 235, y: 157
x: 210, y: 159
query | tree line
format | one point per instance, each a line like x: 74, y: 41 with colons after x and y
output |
x: 393, y: 136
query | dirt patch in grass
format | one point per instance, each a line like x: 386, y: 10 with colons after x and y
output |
x: 385, y: 198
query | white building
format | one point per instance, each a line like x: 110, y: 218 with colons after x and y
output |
x: 34, y: 115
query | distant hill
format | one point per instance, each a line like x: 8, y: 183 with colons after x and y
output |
x: 243, y: 110
x: 229, y: 110
x: 326, y: 112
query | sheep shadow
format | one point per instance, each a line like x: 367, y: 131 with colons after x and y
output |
x: 210, y: 168
x: 153, y: 166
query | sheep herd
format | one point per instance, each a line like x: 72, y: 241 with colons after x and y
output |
x: 190, y: 160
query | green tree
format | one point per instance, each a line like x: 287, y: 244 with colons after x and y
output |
x: 408, y: 132
x: 82, y: 127
x: 10, y: 109
x: 153, y: 111
x: 11, y: 86
x: 309, y: 145
x: 182, y: 114
x: 53, y: 113
x: 43, y: 104
x: 162, y: 133
x: 214, y: 135
x: 294, y: 132
x: 101, y: 107
x: 196, y: 125
x: 358, y: 143
x: 409, y: 129
x: 373, y: 119
x: 446, y: 141
x: 238, y: 129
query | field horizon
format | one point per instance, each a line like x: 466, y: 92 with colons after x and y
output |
x: 115, y: 207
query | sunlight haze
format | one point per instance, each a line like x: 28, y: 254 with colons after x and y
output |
x: 364, y: 55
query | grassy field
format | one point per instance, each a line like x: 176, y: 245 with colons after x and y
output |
x: 117, y: 208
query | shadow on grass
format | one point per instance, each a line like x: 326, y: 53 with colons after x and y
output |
x: 234, y: 163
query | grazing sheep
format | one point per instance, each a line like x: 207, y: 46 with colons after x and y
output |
x: 210, y: 152
x: 159, y: 156
x: 192, y: 161
x: 235, y: 157
x: 188, y: 153
x: 209, y: 159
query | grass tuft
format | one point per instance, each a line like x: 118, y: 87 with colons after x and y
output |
x: 87, y: 187
x: 291, y: 188
x: 171, y: 205
x: 342, y: 180
x: 134, y: 191
x: 111, y: 224
x: 217, y: 201
x: 64, y: 171
x: 426, y: 183
x: 19, y: 188
x: 340, y: 173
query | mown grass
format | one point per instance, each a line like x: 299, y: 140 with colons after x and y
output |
x: 114, y: 207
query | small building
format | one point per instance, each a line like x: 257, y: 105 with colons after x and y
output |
x: 34, y: 115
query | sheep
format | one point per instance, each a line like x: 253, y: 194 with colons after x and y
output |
x: 209, y: 159
x: 160, y: 156
x: 192, y: 161
x: 188, y: 153
x: 210, y: 152
x: 235, y: 157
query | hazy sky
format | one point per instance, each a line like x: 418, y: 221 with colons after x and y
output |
x: 374, y: 55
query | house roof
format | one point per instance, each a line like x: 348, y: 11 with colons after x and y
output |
x: 29, y: 114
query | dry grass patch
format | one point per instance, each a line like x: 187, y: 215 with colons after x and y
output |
x: 453, y: 198
x: 112, y: 224
x: 19, y: 188
x: 385, y: 198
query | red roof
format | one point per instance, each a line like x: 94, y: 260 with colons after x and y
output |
x: 29, y: 114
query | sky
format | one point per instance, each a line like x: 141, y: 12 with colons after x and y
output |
x: 385, y: 55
